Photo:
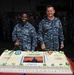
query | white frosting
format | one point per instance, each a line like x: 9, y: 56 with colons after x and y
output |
x: 56, y: 61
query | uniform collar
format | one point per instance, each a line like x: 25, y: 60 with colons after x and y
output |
x: 26, y: 24
x: 51, y: 20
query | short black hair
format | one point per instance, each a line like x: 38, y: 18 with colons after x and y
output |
x: 48, y: 6
x: 24, y: 13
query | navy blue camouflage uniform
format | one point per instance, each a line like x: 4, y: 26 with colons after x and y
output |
x: 26, y: 35
x: 50, y: 33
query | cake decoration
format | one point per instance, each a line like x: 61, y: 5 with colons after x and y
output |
x: 48, y: 62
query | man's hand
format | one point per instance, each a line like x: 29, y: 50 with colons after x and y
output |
x: 17, y: 43
x: 43, y: 46
x: 62, y: 46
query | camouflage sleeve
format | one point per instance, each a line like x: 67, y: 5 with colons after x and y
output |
x: 14, y: 35
x: 61, y: 36
x: 33, y: 38
x: 40, y: 33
